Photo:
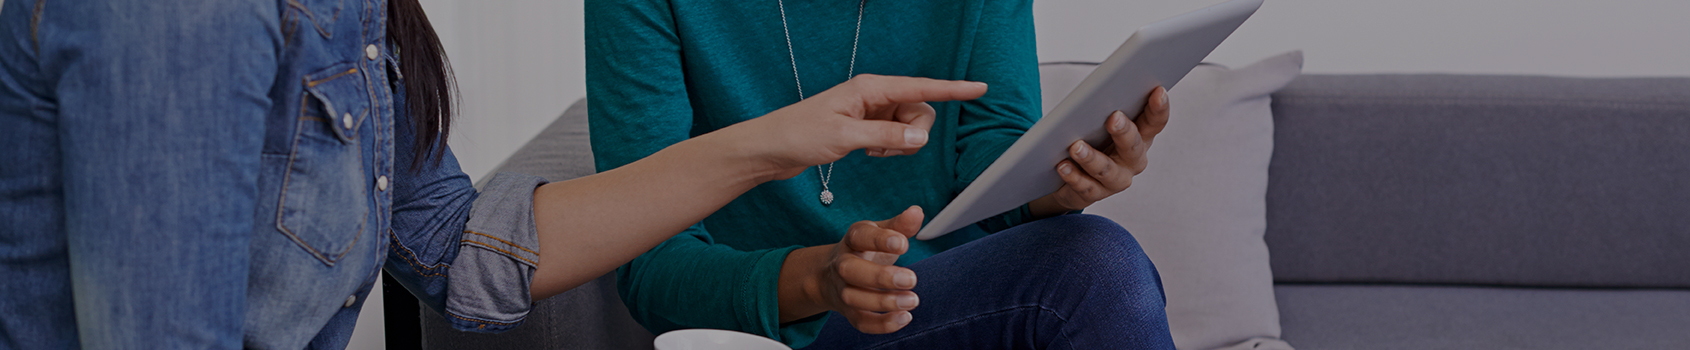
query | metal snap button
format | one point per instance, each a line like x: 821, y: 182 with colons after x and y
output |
x: 381, y: 183
x: 351, y: 299
x: 371, y: 52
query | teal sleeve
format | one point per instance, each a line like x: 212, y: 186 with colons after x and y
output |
x: 689, y: 282
x: 1004, y: 56
x: 638, y: 105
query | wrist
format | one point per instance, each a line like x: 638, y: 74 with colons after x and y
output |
x: 800, y: 287
x: 1045, y: 207
x: 746, y: 160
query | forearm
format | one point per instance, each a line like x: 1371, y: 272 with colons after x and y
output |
x: 589, y: 226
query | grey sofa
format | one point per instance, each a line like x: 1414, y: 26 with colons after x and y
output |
x: 1481, y: 212
x: 1404, y: 212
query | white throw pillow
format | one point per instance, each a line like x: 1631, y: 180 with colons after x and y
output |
x: 1200, y: 209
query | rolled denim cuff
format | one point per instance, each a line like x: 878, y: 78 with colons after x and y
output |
x: 490, y: 279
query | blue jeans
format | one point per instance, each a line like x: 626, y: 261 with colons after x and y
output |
x: 1068, y: 282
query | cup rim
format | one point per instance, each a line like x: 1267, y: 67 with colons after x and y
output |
x: 693, y: 335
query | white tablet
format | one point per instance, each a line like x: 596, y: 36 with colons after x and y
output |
x: 1156, y: 55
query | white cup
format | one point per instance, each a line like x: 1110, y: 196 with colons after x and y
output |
x: 714, y: 339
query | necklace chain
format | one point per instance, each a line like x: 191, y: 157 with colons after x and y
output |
x: 827, y: 175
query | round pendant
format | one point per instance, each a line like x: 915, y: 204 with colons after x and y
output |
x: 827, y: 197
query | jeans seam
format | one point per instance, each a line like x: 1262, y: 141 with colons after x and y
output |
x: 35, y: 26
x: 484, y: 323
x: 505, y: 252
x: 518, y: 246
x: 314, y: 83
x: 313, y: 18
x: 410, y: 258
x: 890, y: 342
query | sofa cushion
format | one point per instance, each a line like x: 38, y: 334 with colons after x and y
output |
x: 588, y: 317
x: 1319, y: 317
x: 1198, y: 210
x: 1467, y: 179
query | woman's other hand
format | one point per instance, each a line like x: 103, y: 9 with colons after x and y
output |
x: 885, y: 115
x: 855, y: 277
x: 1091, y: 174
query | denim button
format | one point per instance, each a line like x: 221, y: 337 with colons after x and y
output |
x: 371, y: 52
x: 351, y: 299
x: 346, y: 119
x: 381, y: 183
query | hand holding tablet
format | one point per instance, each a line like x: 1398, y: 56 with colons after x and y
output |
x: 1091, y: 174
x: 1159, y: 54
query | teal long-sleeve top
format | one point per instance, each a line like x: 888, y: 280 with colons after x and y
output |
x: 659, y: 72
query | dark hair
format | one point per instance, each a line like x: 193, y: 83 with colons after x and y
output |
x: 429, y: 87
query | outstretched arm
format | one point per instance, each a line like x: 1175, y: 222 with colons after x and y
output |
x: 591, y: 225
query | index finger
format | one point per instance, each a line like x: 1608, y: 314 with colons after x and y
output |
x: 883, y: 90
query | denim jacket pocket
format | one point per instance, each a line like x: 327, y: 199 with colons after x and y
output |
x: 325, y: 202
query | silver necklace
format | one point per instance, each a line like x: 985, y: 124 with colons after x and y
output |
x: 827, y: 194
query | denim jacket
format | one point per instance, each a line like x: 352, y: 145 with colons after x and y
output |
x: 231, y: 173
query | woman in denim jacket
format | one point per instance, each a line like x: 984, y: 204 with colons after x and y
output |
x: 234, y: 173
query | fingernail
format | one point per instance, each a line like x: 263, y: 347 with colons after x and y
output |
x: 1164, y: 97
x: 1065, y: 169
x: 979, y: 83
x: 915, y: 137
x: 903, y: 279
x: 907, y: 302
x: 892, y: 243
x: 1118, y: 121
x: 1080, y: 152
x: 904, y: 319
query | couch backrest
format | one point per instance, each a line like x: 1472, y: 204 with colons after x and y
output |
x: 1491, y: 180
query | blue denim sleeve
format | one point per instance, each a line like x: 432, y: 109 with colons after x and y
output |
x: 160, y: 108
x: 489, y: 291
x: 468, y: 255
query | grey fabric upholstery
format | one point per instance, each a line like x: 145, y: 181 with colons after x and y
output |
x: 588, y: 317
x: 1495, y: 180
x: 1322, y: 317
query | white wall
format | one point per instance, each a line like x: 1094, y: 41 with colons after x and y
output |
x: 1559, y: 37
x: 519, y: 62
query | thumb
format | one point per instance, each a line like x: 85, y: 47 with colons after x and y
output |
x: 906, y: 223
x: 884, y: 134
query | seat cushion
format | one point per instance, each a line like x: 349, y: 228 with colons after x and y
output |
x: 1316, y: 317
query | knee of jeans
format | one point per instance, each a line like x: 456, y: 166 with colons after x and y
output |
x: 1089, y: 233
x: 1097, y: 245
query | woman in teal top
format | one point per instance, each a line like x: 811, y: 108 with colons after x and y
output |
x: 777, y: 258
